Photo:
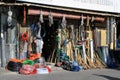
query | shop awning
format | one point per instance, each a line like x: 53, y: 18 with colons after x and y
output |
x: 62, y: 8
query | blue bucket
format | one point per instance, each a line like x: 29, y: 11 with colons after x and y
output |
x: 76, y: 68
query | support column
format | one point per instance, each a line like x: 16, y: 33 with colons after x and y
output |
x: 2, y: 46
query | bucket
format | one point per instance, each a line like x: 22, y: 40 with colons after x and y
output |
x: 76, y: 68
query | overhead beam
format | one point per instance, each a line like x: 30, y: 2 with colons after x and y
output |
x: 60, y: 15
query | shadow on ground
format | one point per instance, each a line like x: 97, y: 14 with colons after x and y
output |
x: 108, y: 77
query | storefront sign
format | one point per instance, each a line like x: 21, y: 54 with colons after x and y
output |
x: 97, y: 5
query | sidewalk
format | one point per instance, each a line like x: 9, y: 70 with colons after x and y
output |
x: 3, y: 71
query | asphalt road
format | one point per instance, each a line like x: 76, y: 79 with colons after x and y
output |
x: 94, y: 74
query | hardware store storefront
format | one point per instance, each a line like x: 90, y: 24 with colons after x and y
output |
x: 75, y: 31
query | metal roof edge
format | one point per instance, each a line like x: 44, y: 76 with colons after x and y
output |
x: 63, y: 8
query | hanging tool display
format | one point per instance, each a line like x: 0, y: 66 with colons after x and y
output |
x: 50, y: 17
x: 41, y: 17
x: 82, y: 32
x: 73, y: 44
x: 24, y: 39
x: 23, y: 45
x: 9, y: 19
x: 97, y: 61
x: 64, y: 22
x: 82, y: 28
x: 94, y: 33
x: 91, y: 50
x: 72, y: 40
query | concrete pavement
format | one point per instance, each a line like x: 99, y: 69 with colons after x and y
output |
x: 93, y: 74
x: 4, y: 71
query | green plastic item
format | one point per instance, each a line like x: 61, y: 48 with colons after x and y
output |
x: 57, y: 38
x: 30, y: 62
x: 80, y: 47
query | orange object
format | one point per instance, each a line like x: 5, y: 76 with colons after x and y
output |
x: 33, y: 56
x: 38, y: 55
x: 15, y: 60
x: 25, y: 36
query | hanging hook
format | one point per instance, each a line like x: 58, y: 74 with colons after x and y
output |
x: 92, y: 19
x: 88, y: 21
x: 82, y: 20
x: 64, y: 22
x: 41, y: 17
x: 50, y: 18
x: 9, y: 19
x: 9, y: 8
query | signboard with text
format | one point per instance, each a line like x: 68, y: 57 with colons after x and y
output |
x: 97, y: 5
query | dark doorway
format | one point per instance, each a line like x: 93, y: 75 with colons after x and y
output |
x: 50, y: 43
x: 118, y: 29
x: 117, y: 51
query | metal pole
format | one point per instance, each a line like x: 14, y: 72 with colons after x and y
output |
x: 0, y: 44
x: 108, y: 31
x: 111, y: 28
x: 3, y: 59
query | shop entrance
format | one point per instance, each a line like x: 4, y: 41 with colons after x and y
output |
x: 50, y: 43
x: 117, y: 51
x: 118, y: 35
x: 118, y: 28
